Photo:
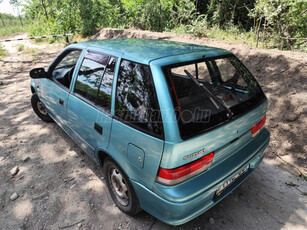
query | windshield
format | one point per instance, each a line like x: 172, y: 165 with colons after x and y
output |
x: 232, y: 87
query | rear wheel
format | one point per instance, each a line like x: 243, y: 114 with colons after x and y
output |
x: 120, y: 188
x: 39, y: 108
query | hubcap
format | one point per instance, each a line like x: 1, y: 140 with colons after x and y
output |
x: 41, y: 108
x: 119, y: 187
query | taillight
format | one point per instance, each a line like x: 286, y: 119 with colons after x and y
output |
x: 182, y: 173
x: 256, y: 128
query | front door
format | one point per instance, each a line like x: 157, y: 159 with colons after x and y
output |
x: 54, y: 91
x: 89, y: 105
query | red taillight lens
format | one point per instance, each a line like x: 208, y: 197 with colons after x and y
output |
x: 180, y: 174
x: 256, y: 128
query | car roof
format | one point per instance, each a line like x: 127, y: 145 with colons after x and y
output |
x: 147, y: 50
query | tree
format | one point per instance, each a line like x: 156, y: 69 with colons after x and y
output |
x: 16, y: 4
x: 1, y: 16
x: 285, y: 19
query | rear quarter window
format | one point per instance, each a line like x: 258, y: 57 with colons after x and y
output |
x: 136, y: 102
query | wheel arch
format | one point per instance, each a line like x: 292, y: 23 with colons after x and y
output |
x: 33, y: 87
x: 32, y: 90
x: 102, y: 154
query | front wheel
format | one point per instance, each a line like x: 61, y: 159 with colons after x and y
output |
x: 39, y: 108
x: 120, y: 188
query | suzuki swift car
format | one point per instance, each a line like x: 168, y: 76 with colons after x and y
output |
x: 175, y: 126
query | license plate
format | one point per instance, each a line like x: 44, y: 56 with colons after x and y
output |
x: 224, y: 186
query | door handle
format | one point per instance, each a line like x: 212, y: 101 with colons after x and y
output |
x: 61, y: 101
x: 98, y: 128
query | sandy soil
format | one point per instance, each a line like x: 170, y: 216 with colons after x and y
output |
x: 59, y: 187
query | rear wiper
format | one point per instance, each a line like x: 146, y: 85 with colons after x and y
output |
x: 212, y: 97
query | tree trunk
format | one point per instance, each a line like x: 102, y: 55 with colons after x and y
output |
x: 258, y: 32
x: 160, y: 9
x: 2, y: 20
x: 46, y: 14
x: 20, y: 19
x: 263, y: 34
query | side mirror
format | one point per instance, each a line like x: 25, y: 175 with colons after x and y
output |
x: 38, y: 73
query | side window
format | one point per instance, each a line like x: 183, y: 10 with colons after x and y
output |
x: 136, y: 100
x: 90, y: 75
x: 69, y: 60
x: 105, y: 90
x: 63, y: 71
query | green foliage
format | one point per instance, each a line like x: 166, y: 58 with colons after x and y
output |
x: 255, y: 22
x: 183, y: 12
x: 3, y: 51
x: 283, y: 19
x: 10, y: 24
x: 20, y: 47
x: 155, y: 16
x: 64, y: 16
x: 198, y: 26
x: 223, y: 13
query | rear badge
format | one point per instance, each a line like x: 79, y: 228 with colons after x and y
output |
x: 193, y: 154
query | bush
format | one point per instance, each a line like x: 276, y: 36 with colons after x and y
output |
x: 3, y: 51
x: 20, y: 47
x: 266, y: 22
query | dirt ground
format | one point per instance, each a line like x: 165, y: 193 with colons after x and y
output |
x: 59, y: 187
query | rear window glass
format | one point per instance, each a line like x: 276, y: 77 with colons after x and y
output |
x: 227, y: 79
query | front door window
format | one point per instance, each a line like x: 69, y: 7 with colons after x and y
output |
x: 62, y: 72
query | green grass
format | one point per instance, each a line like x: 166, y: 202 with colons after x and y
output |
x: 231, y: 34
x: 32, y: 51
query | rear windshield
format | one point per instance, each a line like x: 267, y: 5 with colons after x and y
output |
x: 234, y: 91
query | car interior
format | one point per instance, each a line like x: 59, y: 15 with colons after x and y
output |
x: 64, y: 75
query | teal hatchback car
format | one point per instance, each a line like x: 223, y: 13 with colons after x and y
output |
x: 175, y: 126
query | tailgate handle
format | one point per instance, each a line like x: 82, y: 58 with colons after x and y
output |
x: 98, y: 128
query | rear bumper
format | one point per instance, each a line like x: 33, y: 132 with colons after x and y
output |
x: 177, y: 205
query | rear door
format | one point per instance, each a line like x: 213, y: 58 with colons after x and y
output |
x: 137, y: 133
x: 89, y: 104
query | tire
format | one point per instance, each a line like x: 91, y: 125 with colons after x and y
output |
x: 120, y: 188
x: 39, y: 108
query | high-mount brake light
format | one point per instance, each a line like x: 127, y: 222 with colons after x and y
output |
x: 182, y: 173
x: 256, y: 128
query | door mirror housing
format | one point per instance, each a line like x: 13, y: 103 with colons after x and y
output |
x: 38, y: 73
